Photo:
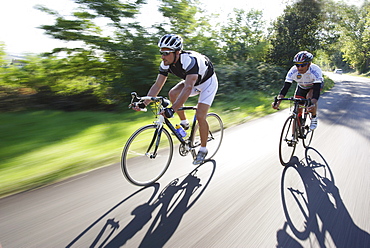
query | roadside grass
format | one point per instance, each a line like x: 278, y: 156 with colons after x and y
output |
x: 42, y: 147
x: 45, y: 146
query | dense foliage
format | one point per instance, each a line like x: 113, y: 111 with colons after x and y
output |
x: 296, y: 30
x: 117, y: 55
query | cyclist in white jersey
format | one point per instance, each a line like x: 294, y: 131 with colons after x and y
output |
x: 309, y: 82
x: 199, y: 78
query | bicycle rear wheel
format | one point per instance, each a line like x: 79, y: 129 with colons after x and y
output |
x: 288, y: 141
x: 215, y: 134
x: 147, y: 155
x: 307, y: 132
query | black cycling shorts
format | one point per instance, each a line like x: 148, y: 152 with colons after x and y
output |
x: 302, y: 93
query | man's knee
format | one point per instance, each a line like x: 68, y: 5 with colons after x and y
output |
x: 173, y: 94
x: 201, y: 116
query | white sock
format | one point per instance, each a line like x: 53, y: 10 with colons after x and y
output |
x: 203, y: 149
x: 184, y: 122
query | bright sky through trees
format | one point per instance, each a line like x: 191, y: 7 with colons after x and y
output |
x: 19, y: 20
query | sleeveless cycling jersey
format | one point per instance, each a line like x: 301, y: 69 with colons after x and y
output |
x: 190, y: 62
x: 307, y: 80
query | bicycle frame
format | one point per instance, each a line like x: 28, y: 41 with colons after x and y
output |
x: 161, y: 120
x: 299, y: 116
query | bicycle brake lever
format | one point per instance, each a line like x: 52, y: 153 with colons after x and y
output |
x: 275, y: 102
x: 141, y: 109
x: 165, y: 102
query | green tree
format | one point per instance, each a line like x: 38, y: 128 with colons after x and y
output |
x: 328, y: 54
x: 80, y: 26
x: 243, y: 36
x: 297, y: 29
x: 2, y: 54
x: 355, y: 35
x: 136, y: 62
x: 181, y: 15
x: 51, y: 73
x: 366, y: 39
x: 205, y: 41
x: 187, y: 19
x: 123, y: 49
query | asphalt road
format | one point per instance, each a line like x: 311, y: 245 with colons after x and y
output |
x: 244, y: 198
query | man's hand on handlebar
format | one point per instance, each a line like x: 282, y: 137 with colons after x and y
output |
x: 276, y: 103
x: 168, y: 112
x: 138, y: 106
x: 313, y: 105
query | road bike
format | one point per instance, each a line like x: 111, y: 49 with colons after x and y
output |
x: 148, y: 153
x: 295, y: 127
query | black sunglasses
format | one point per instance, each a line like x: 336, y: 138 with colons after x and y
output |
x: 301, y: 65
x: 166, y: 53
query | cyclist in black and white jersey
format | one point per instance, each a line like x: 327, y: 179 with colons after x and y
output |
x: 199, y: 78
x: 309, y: 82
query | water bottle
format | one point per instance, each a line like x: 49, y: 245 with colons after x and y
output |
x: 180, y: 130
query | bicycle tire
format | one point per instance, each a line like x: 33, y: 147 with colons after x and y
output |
x: 307, y: 132
x: 215, y: 135
x: 137, y: 165
x: 286, y: 145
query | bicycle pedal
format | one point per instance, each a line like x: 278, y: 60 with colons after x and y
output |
x: 291, y: 142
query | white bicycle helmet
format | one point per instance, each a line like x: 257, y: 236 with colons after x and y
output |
x: 171, y: 41
x: 303, y: 57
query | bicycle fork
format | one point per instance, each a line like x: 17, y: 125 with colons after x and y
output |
x: 292, y: 138
x: 156, y: 139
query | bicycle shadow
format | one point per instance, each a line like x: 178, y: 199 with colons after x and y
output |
x: 313, y: 206
x: 173, y: 202
x: 110, y: 222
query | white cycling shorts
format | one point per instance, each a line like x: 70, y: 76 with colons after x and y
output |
x: 206, y: 91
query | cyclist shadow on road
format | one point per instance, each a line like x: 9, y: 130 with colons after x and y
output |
x: 313, y: 207
x: 168, y: 207
x: 110, y: 223
x: 174, y: 201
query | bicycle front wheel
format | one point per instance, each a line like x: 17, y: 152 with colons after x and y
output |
x: 147, y: 155
x: 288, y: 141
x: 215, y: 134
